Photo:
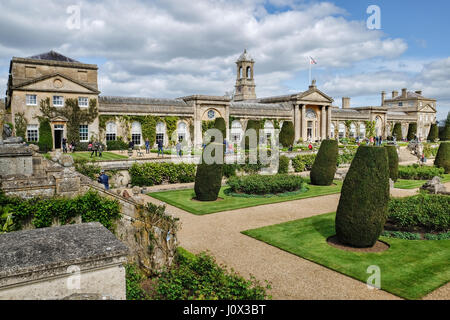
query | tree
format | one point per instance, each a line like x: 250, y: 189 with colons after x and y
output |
x: 442, y: 159
x: 45, y: 142
x: 412, y: 131
x: 370, y: 129
x: 287, y: 134
x: 325, y: 164
x: 393, y: 162
x: 434, y: 133
x: 252, y: 124
x: 445, y: 133
x: 362, y: 208
x: 397, y: 132
x: 20, y: 125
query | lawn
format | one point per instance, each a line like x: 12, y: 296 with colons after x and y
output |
x: 409, y: 269
x: 183, y: 199
x: 413, y: 184
x: 87, y: 156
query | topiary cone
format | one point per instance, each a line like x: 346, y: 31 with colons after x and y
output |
x: 442, y: 159
x: 362, y: 208
x: 393, y: 162
x: 325, y: 164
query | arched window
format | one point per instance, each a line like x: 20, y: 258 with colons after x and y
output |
x: 240, y: 72
x: 332, y: 128
x: 236, y: 131
x: 136, y: 133
x: 362, y: 131
x: 341, y: 130
x: 352, y: 131
x: 249, y: 74
x: 378, y: 126
x: 268, y: 130
x: 160, y: 131
x: 111, y: 131
x: 181, y: 131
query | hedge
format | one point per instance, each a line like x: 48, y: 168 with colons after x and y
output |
x: 393, y: 162
x: 325, y: 164
x: 45, y: 136
x: 444, y: 134
x: 416, y: 172
x: 362, y: 209
x: 303, y: 162
x: 434, y: 133
x: 283, y: 164
x: 287, y: 134
x: 265, y: 184
x: 118, y: 144
x: 412, y: 131
x: 397, y: 131
x: 443, y: 157
x: 252, y: 124
x: 154, y: 173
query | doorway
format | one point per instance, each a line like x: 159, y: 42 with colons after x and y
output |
x: 59, y: 135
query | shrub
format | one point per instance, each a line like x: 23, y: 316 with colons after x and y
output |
x: 287, y: 134
x: 220, y: 124
x: 402, y: 235
x: 443, y: 157
x: 444, y: 134
x: 252, y: 124
x: 416, y: 172
x: 134, y: 278
x: 324, y: 167
x: 393, y: 162
x: 118, y: 144
x: 283, y: 164
x: 346, y: 156
x: 88, y: 169
x: 303, y: 162
x: 397, y: 131
x: 434, y: 133
x: 426, y: 211
x: 45, y: 136
x: 412, y: 131
x: 154, y: 173
x: 265, y: 184
x: 362, y: 208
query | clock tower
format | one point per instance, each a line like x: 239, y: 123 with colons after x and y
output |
x: 245, y: 84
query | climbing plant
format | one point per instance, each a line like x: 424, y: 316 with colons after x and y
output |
x: 370, y: 129
x: 21, y: 125
x: 348, y: 124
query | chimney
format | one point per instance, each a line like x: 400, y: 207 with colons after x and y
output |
x: 345, y: 102
x: 394, y: 94
x: 404, y: 93
x: 383, y: 97
x: 419, y: 92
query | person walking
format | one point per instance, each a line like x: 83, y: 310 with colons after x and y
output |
x: 178, y: 147
x: 160, y: 148
x: 100, y: 149
x: 147, y: 146
x: 104, y: 179
x: 73, y: 146
x: 64, y: 145
x: 94, y: 148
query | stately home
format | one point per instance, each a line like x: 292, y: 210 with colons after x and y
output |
x: 52, y: 75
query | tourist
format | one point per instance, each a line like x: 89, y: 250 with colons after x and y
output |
x: 100, y: 149
x: 130, y: 148
x: 104, y: 179
x: 94, y: 149
x: 73, y: 146
x: 310, y: 147
x: 160, y: 147
x: 178, y: 147
x: 64, y: 145
x: 147, y: 146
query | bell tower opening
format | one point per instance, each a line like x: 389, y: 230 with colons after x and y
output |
x: 245, y: 84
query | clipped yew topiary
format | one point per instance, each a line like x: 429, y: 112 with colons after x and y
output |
x: 252, y: 124
x: 434, y: 133
x: 443, y: 157
x: 45, y: 136
x: 397, y: 131
x: 362, y: 209
x: 393, y: 162
x: 412, y: 131
x: 220, y: 124
x: 287, y: 134
x: 325, y: 164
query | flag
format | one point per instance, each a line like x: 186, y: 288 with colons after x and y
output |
x: 312, y: 61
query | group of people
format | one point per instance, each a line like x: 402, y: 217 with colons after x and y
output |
x: 95, y: 148
x: 68, y: 148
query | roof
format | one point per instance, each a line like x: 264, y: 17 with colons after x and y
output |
x: 141, y: 101
x: 409, y: 95
x: 41, y: 249
x: 52, y: 56
x: 245, y: 56
x: 256, y: 105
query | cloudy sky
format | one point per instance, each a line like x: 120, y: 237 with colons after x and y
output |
x: 173, y: 48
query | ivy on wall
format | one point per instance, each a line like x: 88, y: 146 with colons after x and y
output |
x: 21, y: 125
x: 370, y: 129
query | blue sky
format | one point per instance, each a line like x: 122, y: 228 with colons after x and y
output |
x: 166, y: 48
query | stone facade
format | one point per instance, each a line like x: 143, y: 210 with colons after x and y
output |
x: 314, y: 116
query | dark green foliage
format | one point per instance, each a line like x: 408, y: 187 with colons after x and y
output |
x: 444, y: 133
x: 393, y: 162
x: 199, y: 277
x: 220, y: 124
x: 425, y: 211
x: 283, y: 164
x: 252, y: 124
x: 154, y: 173
x: 443, y: 157
x: 401, y: 235
x: 230, y: 169
x: 434, y: 133
x: 134, y: 279
x: 303, y: 162
x: 287, y: 134
x: 90, y: 206
x: 412, y: 131
x: 362, y: 208
x: 20, y: 125
x: 325, y: 164
x: 88, y: 169
x: 397, y: 131
x: 118, y: 144
x: 262, y: 184
x: 416, y: 172
x: 45, y: 136
x: 439, y: 236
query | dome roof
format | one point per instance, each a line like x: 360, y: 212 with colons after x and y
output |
x: 245, y: 56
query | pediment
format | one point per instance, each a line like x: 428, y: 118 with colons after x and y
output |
x: 427, y: 108
x: 315, y: 96
x: 55, y: 83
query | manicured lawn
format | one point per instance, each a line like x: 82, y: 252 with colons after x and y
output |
x: 413, y: 184
x: 409, y: 269
x: 183, y: 199
x: 87, y: 156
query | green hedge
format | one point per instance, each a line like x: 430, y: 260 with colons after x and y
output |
x: 416, y: 172
x: 252, y: 124
x: 393, y: 162
x: 361, y: 213
x: 303, y: 162
x: 427, y: 211
x: 434, y: 133
x: 287, y: 134
x: 397, y: 131
x: 283, y: 164
x: 412, y: 131
x: 325, y: 164
x: 154, y: 173
x: 443, y: 157
x: 118, y: 144
x: 45, y: 136
x: 265, y: 184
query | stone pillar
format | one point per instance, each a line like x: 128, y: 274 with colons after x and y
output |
x: 303, y: 116
x: 197, y: 127
x: 297, y: 122
x: 329, y: 121
x: 323, y: 123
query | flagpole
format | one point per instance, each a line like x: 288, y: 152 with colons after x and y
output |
x: 309, y: 71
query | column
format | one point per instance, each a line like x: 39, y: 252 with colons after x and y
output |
x: 303, y: 116
x: 297, y: 122
x: 323, y: 123
x: 197, y: 127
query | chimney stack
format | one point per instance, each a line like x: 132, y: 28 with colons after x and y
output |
x: 345, y: 102
x: 419, y: 92
x: 383, y: 97
x: 394, y: 94
x: 404, y: 93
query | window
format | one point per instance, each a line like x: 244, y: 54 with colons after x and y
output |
x: 32, y: 133
x: 31, y: 100
x: 400, y: 104
x: 84, y: 133
x: 160, y: 130
x: 341, y: 130
x: 268, y: 130
x: 236, y: 131
x: 83, y: 102
x: 136, y: 133
x: 332, y: 131
x: 111, y: 131
x: 211, y: 114
x: 181, y: 130
x: 362, y: 131
x: 58, y: 101
x: 352, y: 130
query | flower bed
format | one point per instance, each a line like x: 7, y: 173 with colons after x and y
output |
x: 259, y: 184
x: 416, y: 172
